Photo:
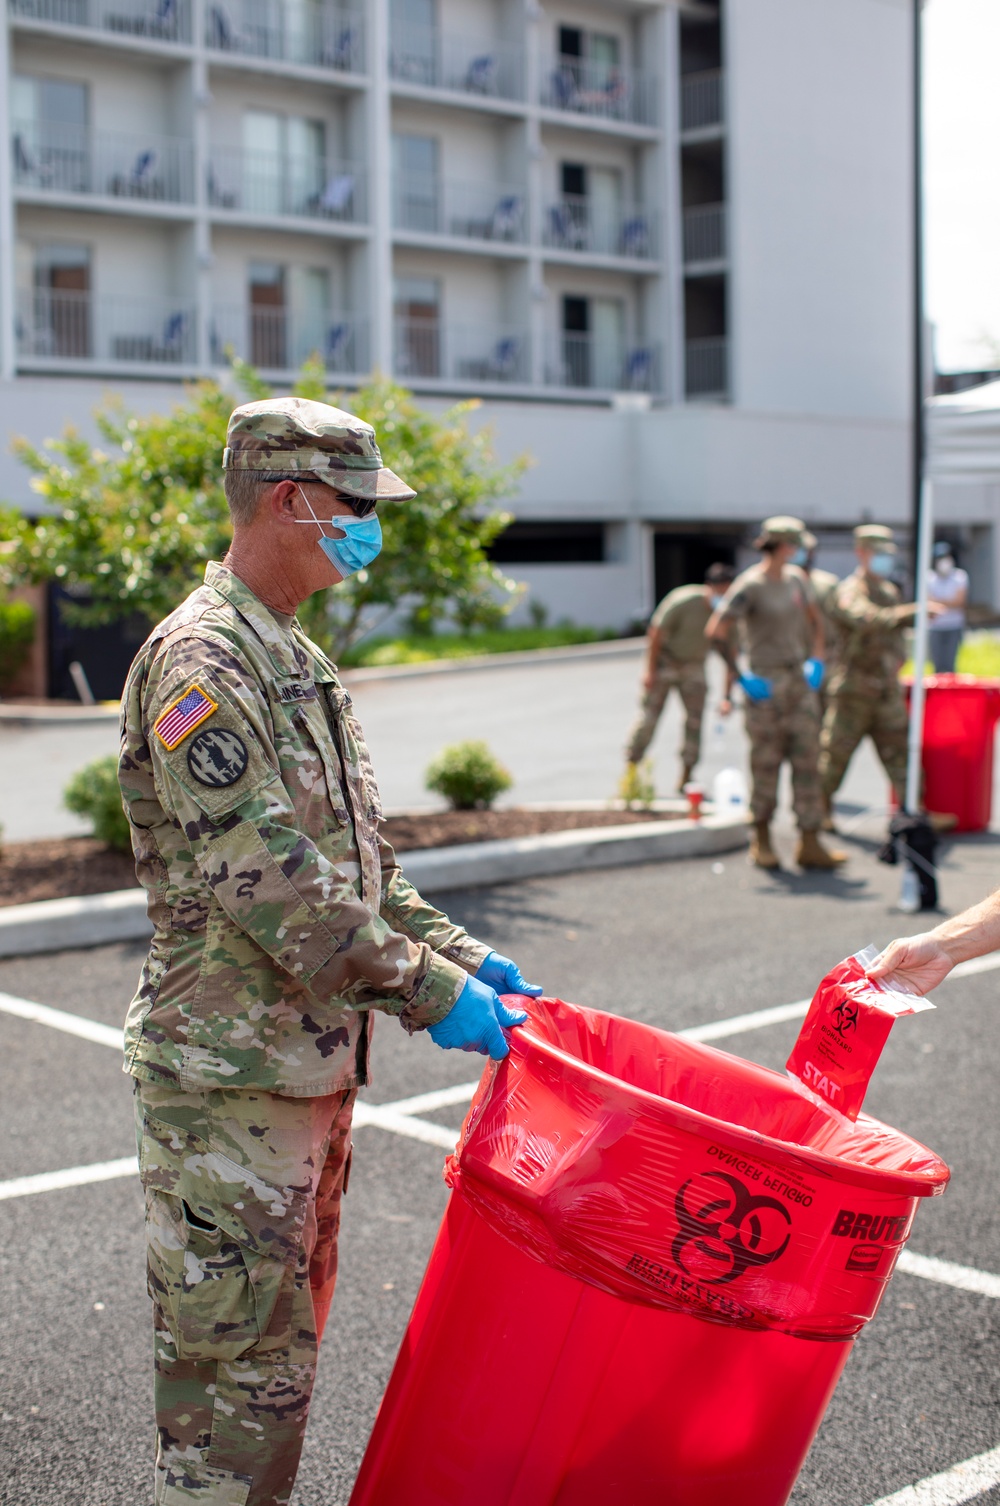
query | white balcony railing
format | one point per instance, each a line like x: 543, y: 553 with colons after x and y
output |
x: 582, y: 360
x: 701, y: 100
x: 578, y: 224
x: 466, y: 65
x: 266, y: 183
x: 58, y: 159
x: 705, y: 233
x: 159, y: 20
x: 280, y: 339
x: 607, y: 91
x: 319, y: 35
x: 474, y: 211
x: 60, y: 326
x: 425, y: 348
x: 706, y: 367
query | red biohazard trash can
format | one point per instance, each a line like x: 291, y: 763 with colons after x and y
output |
x: 647, y: 1282
x: 960, y: 715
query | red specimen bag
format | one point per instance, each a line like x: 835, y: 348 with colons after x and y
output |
x: 647, y: 1280
x: 843, y: 1034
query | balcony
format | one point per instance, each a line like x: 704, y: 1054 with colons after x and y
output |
x: 492, y: 212
x: 155, y: 20
x: 56, y: 328
x: 56, y: 159
x: 478, y: 67
x: 280, y: 339
x: 602, y: 91
x: 426, y: 349
x: 579, y: 224
x: 704, y: 234
x: 316, y: 35
x: 276, y: 184
x: 583, y: 361
x: 701, y: 100
x: 706, y: 368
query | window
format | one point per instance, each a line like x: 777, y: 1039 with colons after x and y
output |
x: 602, y: 51
x: 61, y: 301
x: 418, y: 332
x: 413, y: 39
x: 549, y: 544
x: 593, y: 338
x: 50, y: 133
x: 415, y: 182
x: 591, y: 212
x: 285, y: 162
x: 310, y: 307
x: 574, y: 180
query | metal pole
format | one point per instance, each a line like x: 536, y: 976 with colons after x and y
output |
x: 916, y: 733
x: 919, y: 394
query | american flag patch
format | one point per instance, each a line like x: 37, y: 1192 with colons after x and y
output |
x: 183, y: 716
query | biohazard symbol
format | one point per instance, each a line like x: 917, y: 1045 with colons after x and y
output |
x: 845, y: 1018
x: 723, y: 1229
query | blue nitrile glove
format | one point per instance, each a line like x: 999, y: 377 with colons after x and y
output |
x: 505, y: 976
x: 757, y: 687
x: 474, y: 1020
x: 814, y: 671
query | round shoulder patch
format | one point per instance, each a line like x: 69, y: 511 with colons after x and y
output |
x: 218, y: 757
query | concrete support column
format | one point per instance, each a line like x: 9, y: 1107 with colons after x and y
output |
x: 671, y: 225
x: 380, y: 185
x: 8, y: 311
x: 201, y: 99
x: 536, y: 198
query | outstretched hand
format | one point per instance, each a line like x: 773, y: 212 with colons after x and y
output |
x: 920, y: 962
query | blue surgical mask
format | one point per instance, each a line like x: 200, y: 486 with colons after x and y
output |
x: 361, y: 544
x: 800, y: 558
x: 882, y: 564
x: 715, y: 602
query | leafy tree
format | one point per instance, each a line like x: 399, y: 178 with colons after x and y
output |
x: 134, y: 519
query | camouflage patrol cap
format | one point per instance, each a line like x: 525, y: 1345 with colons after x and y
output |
x: 809, y: 540
x: 294, y: 435
x: 875, y: 536
x: 780, y: 530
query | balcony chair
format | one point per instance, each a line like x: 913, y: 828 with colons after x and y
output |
x: 635, y: 237
x: 481, y: 75
x: 637, y: 372
x: 220, y: 198
x: 161, y: 22
x: 507, y: 218
x: 611, y: 99
x: 500, y: 366
x: 220, y: 32
x: 139, y: 182
x: 567, y: 229
x: 335, y: 200
x: 340, y: 52
x: 338, y: 353
x: 565, y: 88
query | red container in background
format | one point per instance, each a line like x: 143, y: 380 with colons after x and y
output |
x: 960, y: 715
x: 647, y: 1282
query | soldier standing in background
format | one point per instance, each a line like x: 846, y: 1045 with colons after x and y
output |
x: 824, y: 584
x: 282, y: 922
x: 676, y: 649
x: 775, y: 606
x: 865, y: 696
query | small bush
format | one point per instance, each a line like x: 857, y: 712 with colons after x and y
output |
x: 17, y: 633
x: 93, y: 793
x: 468, y: 776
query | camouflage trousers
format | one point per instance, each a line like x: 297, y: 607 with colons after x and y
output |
x: 850, y: 718
x: 243, y: 1195
x: 689, y: 682
x: 785, y: 728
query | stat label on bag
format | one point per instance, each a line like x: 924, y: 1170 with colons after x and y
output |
x: 843, y: 1034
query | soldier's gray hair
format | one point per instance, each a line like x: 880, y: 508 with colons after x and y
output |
x: 244, y: 489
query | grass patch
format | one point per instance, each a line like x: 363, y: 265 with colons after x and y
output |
x: 978, y: 655
x: 420, y: 649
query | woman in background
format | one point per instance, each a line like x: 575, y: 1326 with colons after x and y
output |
x: 949, y: 586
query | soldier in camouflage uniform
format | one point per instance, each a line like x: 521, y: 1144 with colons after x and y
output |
x: 282, y: 923
x: 782, y: 631
x: 865, y: 696
x: 824, y: 584
x: 676, y: 649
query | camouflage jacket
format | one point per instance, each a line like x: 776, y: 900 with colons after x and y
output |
x: 870, y: 619
x: 825, y: 584
x: 281, y: 916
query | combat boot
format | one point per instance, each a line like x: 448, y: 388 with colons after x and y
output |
x: 762, y: 854
x: 812, y: 854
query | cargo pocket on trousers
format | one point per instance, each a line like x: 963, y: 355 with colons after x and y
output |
x: 217, y: 1296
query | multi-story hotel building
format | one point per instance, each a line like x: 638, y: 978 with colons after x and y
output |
x: 667, y: 244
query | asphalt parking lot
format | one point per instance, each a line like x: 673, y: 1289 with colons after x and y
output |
x: 677, y: 945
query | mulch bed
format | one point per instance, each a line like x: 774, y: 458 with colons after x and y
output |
x: 60, y: 866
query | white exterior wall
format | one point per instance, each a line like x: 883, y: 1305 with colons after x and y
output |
x: 819, y: 104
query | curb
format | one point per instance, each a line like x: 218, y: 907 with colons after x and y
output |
x: 55, y: 925
x: 14, y: 715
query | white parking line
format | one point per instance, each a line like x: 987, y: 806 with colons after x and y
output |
x: 58, y: 1019
x: 946, y: 1273
x: 963, y: 1482
x: 73, y: 1176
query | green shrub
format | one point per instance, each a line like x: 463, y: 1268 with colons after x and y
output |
x: 93, y: 793
x: 17, y: 633
x: 468, y: 776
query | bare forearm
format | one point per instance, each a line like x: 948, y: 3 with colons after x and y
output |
x: 973, y: 933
